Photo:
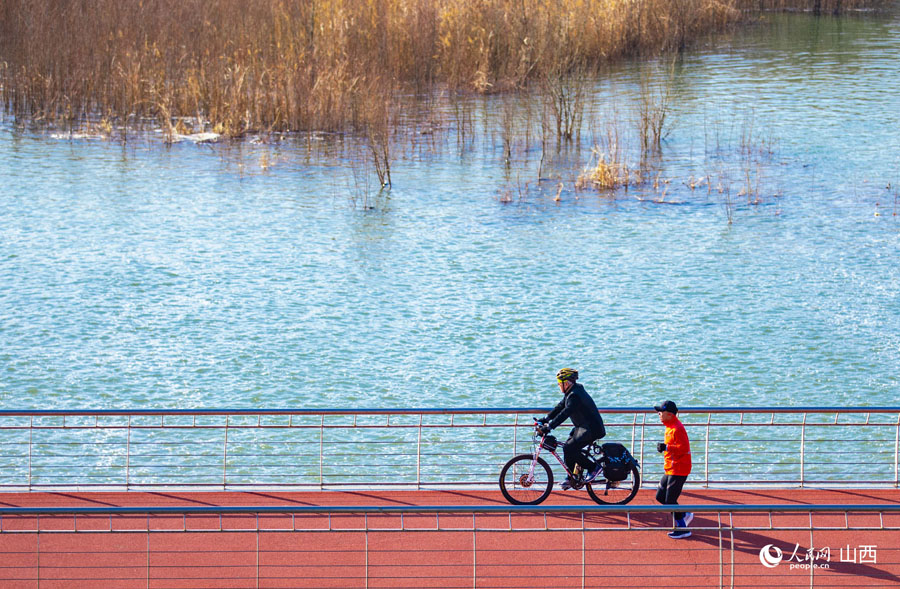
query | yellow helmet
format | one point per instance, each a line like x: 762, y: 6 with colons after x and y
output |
x: 567, y: 374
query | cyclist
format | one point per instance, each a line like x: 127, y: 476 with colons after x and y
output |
x: 580, y: 407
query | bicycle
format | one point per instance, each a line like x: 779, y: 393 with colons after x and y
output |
x: 527, y: 479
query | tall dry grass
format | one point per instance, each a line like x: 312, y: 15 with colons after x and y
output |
x: 301, y: 65
x: 323, y: 65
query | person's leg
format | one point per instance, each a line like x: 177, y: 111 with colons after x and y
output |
x: 569, y: 460
x: 573, y: 453
x: 667, y: 493
x: 674, y: 484
x: 661, y: 489
x: 570, y: 455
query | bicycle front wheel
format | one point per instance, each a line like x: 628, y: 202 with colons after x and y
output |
x: 607, y: 492
x: 522, y: 485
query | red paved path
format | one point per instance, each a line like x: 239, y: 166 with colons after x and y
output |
x: 129, y: 556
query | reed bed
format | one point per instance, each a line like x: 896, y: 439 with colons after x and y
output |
x: 324, y: 65
x: 333, y: 66
x: 311, y: 65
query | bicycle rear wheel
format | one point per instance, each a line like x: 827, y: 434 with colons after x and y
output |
x: 522, y: 487
x: 615, y: 492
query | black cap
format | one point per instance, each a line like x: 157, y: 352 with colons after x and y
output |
x: 669, y: 406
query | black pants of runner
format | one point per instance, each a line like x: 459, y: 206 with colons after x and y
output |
x: 579, y: 438
x: 670, y: 486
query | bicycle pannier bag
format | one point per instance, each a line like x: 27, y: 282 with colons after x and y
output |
x: 617, y: 462
x: 550, y: 443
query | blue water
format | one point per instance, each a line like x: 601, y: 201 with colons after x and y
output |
x: 275, y: 275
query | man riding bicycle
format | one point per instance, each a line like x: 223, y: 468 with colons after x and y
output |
x: 580, y: 407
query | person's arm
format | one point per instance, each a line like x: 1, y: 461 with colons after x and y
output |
x: 677, y: 444
x: 554, y: 412
x: 561, y: 412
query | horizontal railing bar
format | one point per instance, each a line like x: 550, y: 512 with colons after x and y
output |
x: 403, y: 479
x: 426, y: 426
x: 404, y: 455
x: 275, y: 442
x: 425, y: 509
x: 428, y: 411
x: 410, y: 483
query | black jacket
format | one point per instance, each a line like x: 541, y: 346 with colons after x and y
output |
x: 580, y: 407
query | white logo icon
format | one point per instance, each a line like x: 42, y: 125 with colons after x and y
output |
x: 770, y: 556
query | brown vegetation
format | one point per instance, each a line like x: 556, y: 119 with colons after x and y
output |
x: 323, y: 65
x: 234, y: 67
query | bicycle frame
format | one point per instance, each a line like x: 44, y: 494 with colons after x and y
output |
x: 536, y: 453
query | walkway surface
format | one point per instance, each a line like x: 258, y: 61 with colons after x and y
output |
x: 458, y: 550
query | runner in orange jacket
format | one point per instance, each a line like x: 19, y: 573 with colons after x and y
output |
x: 677, y: 465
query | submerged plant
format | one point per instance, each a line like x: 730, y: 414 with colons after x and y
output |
x: 606, y: 171
x: 653, y: 110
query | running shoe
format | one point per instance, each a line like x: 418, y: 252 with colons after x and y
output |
x: 679, y: 534
x: 593, y: 474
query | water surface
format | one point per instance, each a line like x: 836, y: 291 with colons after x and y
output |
x: 271, y: 276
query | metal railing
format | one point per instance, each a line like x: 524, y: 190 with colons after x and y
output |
x: 450, y: 546
x: 423, y: 448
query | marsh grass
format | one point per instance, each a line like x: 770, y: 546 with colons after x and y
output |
x: 604, y: 172
x: 237, y: 67
x: 654, y: 107
x: 324, y: 67
x: 607, y: 168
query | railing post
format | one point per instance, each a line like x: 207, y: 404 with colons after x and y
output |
x: 419, y: 456
x: 322, y: 451
x: 803, y: 451
x: 225, y: 458
x: 474, y: 554
x: 516, y: 434
x: 706, y: 451
x: 128, y: 455
x: 633, y: 429
x: 583, y: 571
x: 30, y: 446
x: 897, y: 454
x: 731, y: 530
x: 643, y: 424
x: 812, y: 569
x: 721, y: 555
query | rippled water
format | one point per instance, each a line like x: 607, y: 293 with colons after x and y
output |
x: 255, y: 276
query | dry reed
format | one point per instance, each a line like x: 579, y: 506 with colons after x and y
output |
x: 607, y: 169
x: 312, y: 65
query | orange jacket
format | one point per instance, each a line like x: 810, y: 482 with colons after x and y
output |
x: 678, y: 450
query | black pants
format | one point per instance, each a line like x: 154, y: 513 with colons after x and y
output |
x: 670, y: 486
x: 579, y: 438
